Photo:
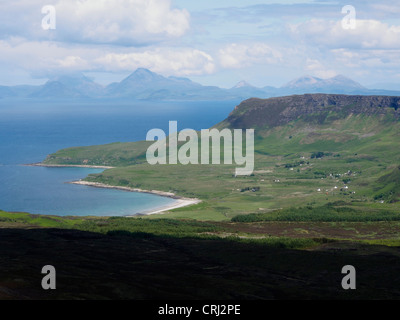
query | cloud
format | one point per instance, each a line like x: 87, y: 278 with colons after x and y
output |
x: 33, y: 56
x: 73, y: 62
x: 385, y: 60
x: 50, y: 57
x: 316, y: 68
x: 243, y: 55
x: 368, y: 34
x: 183, y: 61
x: 126, y: 22
x: 217, y: 41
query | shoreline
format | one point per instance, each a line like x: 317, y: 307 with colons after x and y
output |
x: 179, y: 203
x: 39, y: 164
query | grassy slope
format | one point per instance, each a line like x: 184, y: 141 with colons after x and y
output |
x: 113, y: 154
x: 358, y: 152
x: 303, y: 228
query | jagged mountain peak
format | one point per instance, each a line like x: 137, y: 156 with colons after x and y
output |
x: 302, y: 81
x: 243, y: 84
x: 142, y: 74
x: 338, y: 84
x: 73, y: 80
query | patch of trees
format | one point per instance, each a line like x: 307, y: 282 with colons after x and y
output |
x: 317, y: 155
x: 252, y: 189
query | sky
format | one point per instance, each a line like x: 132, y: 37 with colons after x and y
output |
x: 219, y: 42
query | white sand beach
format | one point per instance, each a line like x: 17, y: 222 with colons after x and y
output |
x: 179, y: 203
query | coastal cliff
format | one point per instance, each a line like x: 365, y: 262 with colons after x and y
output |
x: 314, y: 108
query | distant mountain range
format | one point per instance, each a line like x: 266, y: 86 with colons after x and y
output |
x: 146, y: 85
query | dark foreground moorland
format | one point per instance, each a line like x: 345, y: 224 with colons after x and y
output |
x: 124, y: 265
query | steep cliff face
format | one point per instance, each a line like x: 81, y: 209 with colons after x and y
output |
x: 315, y: 108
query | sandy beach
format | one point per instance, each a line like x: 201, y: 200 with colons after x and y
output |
x: 179, y: 203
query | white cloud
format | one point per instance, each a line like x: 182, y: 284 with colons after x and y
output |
x: 385, y: 8
x: 242, y: 55
x: 223, y: 44
x: 45, y: 56
x: 73, y: 62
x: 183, y: 61
x: 127, y: 22
x: 316, y: 68
x: 50, y: 57
x: 368, y: 59
x: 368, y: 34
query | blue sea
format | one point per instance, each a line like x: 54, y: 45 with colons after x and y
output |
x: 29, y: 131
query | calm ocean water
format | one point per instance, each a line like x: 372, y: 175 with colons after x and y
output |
x: 31, y: 131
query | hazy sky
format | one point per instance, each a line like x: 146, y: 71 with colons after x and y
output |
x: 217, y: 42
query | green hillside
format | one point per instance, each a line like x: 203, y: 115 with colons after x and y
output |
x: 310, y: 150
